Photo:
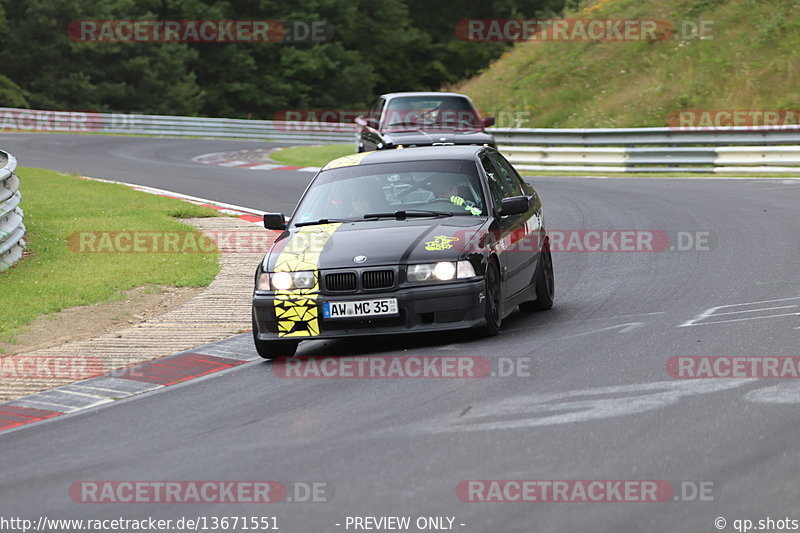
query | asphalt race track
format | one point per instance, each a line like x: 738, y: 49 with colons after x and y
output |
x: 160, y: 163
x: 598, y: 403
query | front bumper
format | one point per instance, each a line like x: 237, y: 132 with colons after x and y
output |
x: 422, y: 308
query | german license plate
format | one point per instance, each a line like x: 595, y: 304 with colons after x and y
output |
x: 381, y: 307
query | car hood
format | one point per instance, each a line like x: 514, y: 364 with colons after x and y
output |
x: 381, y: 242
x: 427, y: 138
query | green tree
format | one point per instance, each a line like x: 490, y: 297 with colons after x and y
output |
x: 11, y: 94
x: 60, y: 73
x: 377, y: 46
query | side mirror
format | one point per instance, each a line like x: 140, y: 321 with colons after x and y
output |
x: 488, y: 121
x: 360, y: 120
x: 275, y: 221
x: 514, y: 206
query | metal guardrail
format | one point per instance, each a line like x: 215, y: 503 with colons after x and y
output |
x: 12, y: 230
x: 297, y: 132
x: 740, y: 150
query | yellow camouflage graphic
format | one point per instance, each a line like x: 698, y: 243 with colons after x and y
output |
x: 346, y: 161
x: 440, y: 242
x: 296, y: 309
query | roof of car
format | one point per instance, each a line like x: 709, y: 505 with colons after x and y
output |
x: 422, y: 93
x: 423, y: 153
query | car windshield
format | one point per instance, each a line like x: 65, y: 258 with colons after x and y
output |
x: 350, y: 193
x: 430, y: 112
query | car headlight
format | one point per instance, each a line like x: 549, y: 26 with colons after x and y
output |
x: 444, y: 271
x: 303, y: 279
x: 283, y: 281
x: 465, y: 270
x: 441, y: 271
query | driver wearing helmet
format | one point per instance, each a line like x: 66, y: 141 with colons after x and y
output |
x: 365, y: 197
x: 447, y: 188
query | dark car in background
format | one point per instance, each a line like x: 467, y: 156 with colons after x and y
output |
x: 401, y: 241
x: 410, y: 119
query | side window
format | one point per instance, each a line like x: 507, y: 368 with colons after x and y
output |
x: 495, y: 186
x: 378, y: 110
x: 375, y: 112
x: 526, y: 188
x: 508, y: 176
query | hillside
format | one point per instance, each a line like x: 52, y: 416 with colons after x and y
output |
x: 750, y: 61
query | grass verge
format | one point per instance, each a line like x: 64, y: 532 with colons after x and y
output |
x: 747, y: 61
x: 51, y: 277
x: 311, y: 156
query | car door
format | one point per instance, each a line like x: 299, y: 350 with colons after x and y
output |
x: 370, y: 137
x: 520, y: 231
x: 501, y: 226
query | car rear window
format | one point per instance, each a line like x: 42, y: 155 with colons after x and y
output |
x: 430, y: 112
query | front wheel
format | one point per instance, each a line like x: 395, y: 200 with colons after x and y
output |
x: 273, y: 349
x: 544, y: 280
x: 492, y: 291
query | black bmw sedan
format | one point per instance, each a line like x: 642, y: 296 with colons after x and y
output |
x: 412, y: 119
x: 400, y: 241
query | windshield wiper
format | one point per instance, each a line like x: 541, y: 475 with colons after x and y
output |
x: 415, y: 124
x: 410, y: 213
x: 399, y: 215
x: 322, y: 221
x: 406, y: 123
x: 458, y: 122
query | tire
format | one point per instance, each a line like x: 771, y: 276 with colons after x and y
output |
x: 545, y: 284
x: 494, y: 319
x: 273, y: 349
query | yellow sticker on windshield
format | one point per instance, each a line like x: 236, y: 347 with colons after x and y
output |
x: 440, y: 242
x: 346, y: 161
